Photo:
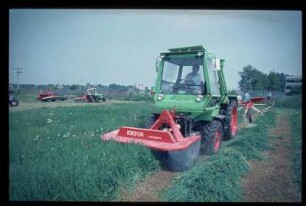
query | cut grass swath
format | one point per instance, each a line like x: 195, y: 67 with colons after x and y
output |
x: 218, y: 178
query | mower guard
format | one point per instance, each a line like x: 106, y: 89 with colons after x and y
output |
x: 178, y: 152
x: 170, y: 139
x: 154, y: 139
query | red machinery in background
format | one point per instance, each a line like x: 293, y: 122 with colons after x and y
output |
x: 47, y: 96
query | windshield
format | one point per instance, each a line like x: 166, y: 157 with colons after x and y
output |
x: 183, y: 75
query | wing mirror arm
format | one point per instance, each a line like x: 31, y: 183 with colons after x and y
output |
x: 158, y: 60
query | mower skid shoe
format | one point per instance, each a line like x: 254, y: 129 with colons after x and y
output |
x: 184, y: 159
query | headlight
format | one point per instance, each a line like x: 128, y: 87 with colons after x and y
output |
x: 160, y: 97
x: 200, y: 53
x: 199, y: 98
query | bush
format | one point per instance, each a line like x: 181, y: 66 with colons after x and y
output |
x: 290, y: 102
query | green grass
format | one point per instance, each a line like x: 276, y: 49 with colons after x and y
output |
x: 57, y: 153
x: 296, y: 138
x: 217, y: 179
x: 290, y: 102
x: 25, y: 97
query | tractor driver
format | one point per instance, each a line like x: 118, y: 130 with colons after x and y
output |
x: 193, y: 79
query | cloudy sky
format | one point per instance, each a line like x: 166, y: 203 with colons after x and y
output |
x: 105, y: 46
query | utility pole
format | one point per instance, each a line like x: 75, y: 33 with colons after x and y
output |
x: 18, y: 72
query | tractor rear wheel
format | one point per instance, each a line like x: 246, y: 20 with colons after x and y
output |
x: 211, y: 137
x: 230, y: 123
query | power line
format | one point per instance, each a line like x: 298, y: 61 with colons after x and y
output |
x: 18, y: 72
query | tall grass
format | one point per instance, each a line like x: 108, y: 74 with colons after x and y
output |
x: 57, y: 154
x: 217, y: 179
x: 290, y: 102
x: 296, y: 138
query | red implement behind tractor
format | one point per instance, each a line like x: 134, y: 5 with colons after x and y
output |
x: 250, y: 103
x: 47, y: 96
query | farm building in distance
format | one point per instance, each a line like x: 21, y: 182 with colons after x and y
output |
x: 292, y: 83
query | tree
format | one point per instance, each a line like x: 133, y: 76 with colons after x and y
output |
x: 259, y: 81
x: 282, y: 79
x: 246, y: 79
x: 252, y: 79
x: 74, y: 86
x: 274, y: 82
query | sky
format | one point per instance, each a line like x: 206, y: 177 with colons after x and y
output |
x: 106, y: 46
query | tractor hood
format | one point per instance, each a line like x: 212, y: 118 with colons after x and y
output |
x: 181, y: 103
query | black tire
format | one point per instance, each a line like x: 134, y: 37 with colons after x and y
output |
x: 211, y: 137
x: 230, y: 122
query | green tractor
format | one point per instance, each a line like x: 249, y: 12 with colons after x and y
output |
x: 195, y: 111
x: 91, y: 96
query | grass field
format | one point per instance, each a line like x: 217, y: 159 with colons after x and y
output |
x: 56, y: 153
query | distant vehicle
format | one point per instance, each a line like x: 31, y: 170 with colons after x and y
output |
x: 91, y: 96
x: 13, y: 101
x: 47, y: 96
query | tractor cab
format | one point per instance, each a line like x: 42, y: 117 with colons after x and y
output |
x: 91, y: 91
x: 92, y: 94
x: 182, y: 76
x: 189, y: 79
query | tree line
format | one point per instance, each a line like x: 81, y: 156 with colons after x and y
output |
x: 253, y: 79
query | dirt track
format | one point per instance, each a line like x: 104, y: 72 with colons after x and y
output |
x: 271, y: 180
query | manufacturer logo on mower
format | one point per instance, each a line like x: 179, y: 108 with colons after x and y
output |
x: 135, y: 133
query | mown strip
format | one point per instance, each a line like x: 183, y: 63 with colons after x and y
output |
x: 218, y: 178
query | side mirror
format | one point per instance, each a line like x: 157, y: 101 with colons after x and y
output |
x: 158, y: 60
x: 217, y: 64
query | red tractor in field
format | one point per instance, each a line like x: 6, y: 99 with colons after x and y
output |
x: 47, y: 96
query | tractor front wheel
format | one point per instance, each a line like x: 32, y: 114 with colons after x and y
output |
x: 211, y: 137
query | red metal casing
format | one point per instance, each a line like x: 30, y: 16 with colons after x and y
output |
x: 251, y: 101
x: 44, y: 94
x: 170, y: 139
